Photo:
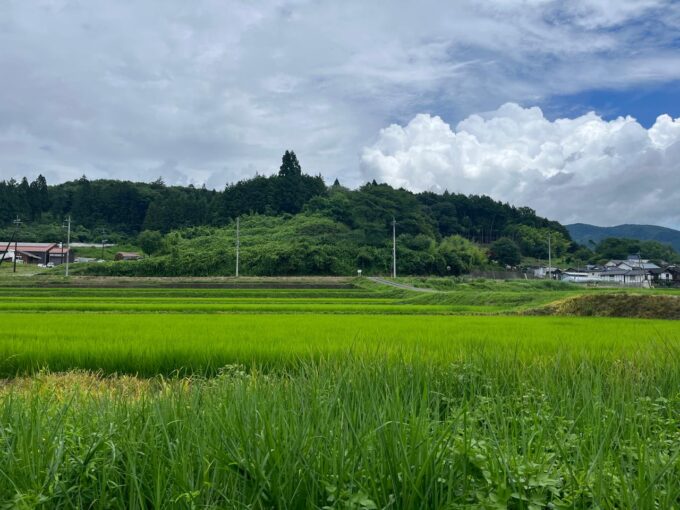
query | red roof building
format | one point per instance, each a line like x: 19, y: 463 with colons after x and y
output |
x: 37, y: 253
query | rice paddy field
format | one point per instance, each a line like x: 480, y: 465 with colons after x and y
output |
x: 350, y: 396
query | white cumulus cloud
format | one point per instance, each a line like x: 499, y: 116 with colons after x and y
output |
x: 584, y: 169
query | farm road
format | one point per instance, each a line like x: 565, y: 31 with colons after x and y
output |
x: 399, y: 285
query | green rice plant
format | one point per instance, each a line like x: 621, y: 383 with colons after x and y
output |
x: 563, y: 431
x: 150, y: 344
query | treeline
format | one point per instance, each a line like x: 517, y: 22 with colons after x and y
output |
x: 292, y: 223
x: 128, y: 208
x: 620, y: 249
x: 358, y: 222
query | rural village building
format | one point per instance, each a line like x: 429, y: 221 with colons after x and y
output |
x: 543, y: 271
x: 127, y: 255
x: 36, y: 253
x: 625, y: 277
x: 632, y: 271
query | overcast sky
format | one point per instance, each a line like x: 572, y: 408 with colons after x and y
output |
x: 572, y: 108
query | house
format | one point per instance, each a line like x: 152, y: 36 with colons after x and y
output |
x: 58, y: 255
x: 36, y: 253
x: 594, y: 272
x: 675, y: 273
x: 667, y: 276
x: 544, y: 272
x: 618, y: 264
x: 639, y: 277
x: 632, y: 262
x: 573, y: 275
x: 127, y: 255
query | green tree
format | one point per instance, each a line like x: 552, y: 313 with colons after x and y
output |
x: 290, y: 166
x: 533, y: 241
x: 658, y: 252
x: 150, y: 241
x: 460, y: 254
x: 506, y: 251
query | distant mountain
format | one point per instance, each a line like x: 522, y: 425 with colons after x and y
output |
x: 583, y: 233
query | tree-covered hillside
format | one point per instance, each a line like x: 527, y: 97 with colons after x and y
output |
x: 126, y: 208
x: 303, y: 221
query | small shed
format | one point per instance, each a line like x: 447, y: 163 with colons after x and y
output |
x: 127, y: 255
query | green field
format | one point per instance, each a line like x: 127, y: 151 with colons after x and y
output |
x: 352, y: 396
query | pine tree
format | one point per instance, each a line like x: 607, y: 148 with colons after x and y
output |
x: 290, y: 167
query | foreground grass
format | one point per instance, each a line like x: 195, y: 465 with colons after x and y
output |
x: 559, y: 431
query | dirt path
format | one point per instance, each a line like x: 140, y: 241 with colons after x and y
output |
x: 398, y: 285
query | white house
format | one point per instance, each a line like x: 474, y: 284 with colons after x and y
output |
x: 619, y: 264
x: 626, y: 277
x: 543, y: 271
x: 662, y: 275
x: 578, y: 277
x: 632, y: 262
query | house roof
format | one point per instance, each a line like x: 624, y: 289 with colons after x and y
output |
x: 658, y: 270
x: 32, y: 247
x: 128, y: 254
x: 57, y: 250
x: 27, y: 254
x: 620, y: 272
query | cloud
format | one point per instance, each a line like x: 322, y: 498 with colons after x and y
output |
x: 209, y: 91
x: 583, y: 169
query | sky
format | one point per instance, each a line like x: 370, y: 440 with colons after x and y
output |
x: 571, y: 108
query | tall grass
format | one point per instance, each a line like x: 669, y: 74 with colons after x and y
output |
x: 490, y: 432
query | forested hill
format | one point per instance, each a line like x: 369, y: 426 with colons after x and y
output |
x: 123, y: 209
x: 584, y: 233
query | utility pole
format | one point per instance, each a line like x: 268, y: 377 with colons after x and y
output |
x: 394, y: 247
x: 550, y: 271
x: 643, y: 276
x: 17, y: 224
x: 9, y: 243
x: 68, y: 242
x: 238, y: 242
x: 103, y: 241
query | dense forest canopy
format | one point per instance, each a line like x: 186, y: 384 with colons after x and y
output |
x: 127, y: 208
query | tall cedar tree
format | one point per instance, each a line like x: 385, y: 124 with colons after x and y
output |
x: 290, y: 166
